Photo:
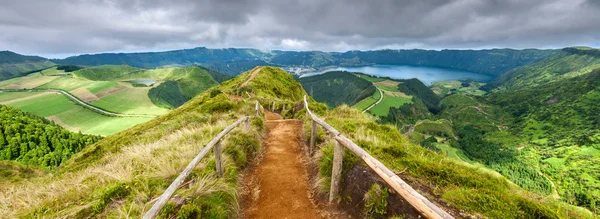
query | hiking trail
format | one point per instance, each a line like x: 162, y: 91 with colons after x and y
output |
x: 278, y: 187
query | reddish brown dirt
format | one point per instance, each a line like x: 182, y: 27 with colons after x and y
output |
x: 278, y: 187
x: 254, y: 73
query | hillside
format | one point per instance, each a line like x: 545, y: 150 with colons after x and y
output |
x: 568, y: 63
x: 234, y: 61
x: 33, y: 140
x: 94, y: 183
x: 15, y: 65
x: 176, y: 86
x: 117, y: 89
x: 337, y: 88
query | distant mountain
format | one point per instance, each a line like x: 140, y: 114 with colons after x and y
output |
x: 15, y: 65
x: 234, y: 61
x: 566, y: 63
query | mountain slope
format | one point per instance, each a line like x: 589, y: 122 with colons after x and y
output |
x: 337, y: 88
x: 178, y: 84
x: 15, y: 65
x: 568, y: 63
x: 234, y: 61
x: 120, y: 175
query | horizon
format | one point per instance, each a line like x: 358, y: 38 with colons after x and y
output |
x: 366, y: 50
x: 65, y: 28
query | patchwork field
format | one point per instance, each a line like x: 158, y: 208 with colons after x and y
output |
x: 392, y: 97
x: 64, y: 112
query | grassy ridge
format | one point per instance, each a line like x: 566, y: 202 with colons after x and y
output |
x: 569, y: 63
x: 463, y: 186
x: 120, y: 175
x: 15, y: 65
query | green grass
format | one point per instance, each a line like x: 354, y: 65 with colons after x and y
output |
x: 67, y: 83
x: 20, y: 69
x: 74, y: 117
x: 6, y: 96
x: 130, y: 101
x: 52, y: 71
x: 100, y: 86
x: 363, y: 104
x: 383, y: 108
x: 29, y: 81
x: 369, y: 78
x: 453, y: 153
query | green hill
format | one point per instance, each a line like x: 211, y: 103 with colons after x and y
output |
x: 337, y: 88
x: 120, y: 175
x: 178, y: 84
x: 568, y: 63
x: 15, y: 65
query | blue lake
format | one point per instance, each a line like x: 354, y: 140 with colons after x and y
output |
x: 425, y: 74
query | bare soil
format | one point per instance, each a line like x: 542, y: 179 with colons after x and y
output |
x: 254, y: 73
x: 278, y: 187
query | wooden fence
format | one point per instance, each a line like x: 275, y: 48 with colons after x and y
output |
x: 218, y: 150
x: 420, y: 203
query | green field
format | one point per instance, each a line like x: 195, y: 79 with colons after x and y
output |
x: 363, y: 104
x: 52, y: 71
x: 391, y: 96
x: 74, y: 117
x: 30, y: 81
x: 7, y: 96
x: 453, y: 153
x: 383, y: 108
x: 130, y: 101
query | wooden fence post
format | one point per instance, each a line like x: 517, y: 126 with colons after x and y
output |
x: 313, y: 136
x: 257, y: 109
x: 336, y: 173
x: 247, y: 124
x: 273, y: 107
x: 218, y: 160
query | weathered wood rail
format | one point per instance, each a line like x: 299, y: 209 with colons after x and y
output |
x: 420, y: 203
x: 218, y: 150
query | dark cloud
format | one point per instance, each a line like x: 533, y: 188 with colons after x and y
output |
x: 89, y: 26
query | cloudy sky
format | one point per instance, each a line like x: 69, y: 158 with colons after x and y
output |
x: 59, y: 28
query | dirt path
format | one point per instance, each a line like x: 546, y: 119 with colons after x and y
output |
x: 254, y: 73
x: 278, y: 187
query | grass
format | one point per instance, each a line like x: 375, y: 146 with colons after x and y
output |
x: 475, y: 190
x: 67, y: 83
x: 74, y: 117
x: 100, y: 86
x: 363, y: 104
x: 383, y: 108
x: 6, y: 96
x: 52, y: 71
x: 28, y: 82
x: 130, y: 101
x: 120, y: 175
x: 453, y: 153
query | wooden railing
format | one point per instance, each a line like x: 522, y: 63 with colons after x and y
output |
x: 218, y: 150
x: 420, y: 203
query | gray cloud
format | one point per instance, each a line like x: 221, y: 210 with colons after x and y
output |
x: 64, y: 27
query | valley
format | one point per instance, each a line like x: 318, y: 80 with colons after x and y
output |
x: 501, y: 131
x: 104, y: 100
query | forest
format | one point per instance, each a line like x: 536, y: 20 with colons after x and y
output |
x: 33, y: 140
x: 337, y: 88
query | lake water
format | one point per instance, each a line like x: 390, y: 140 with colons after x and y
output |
x: 427, y: 75
x: 146, y: 82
